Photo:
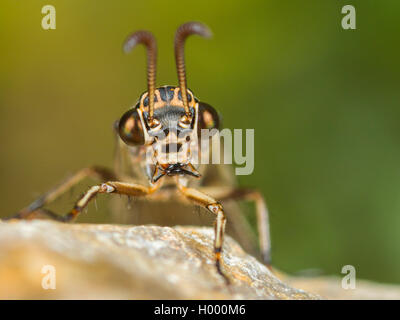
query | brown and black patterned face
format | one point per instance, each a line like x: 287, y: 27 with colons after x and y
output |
x: 169, y: 114
x: 166, y: 122
x: 171, y: 140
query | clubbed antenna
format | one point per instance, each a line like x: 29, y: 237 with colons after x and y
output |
x: 148, y: 39
x: 182, y: 33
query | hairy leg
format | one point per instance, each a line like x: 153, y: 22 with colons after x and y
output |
x: 219, y: 228
x: 35, y: 209
x: 122, y: 188
x: 129, y: 189
x: 238, y: 194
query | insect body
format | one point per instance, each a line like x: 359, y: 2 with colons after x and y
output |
x: 158, y: 143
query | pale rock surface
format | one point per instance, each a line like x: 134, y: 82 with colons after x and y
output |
x: 94, y: 261
x: 128, y: 262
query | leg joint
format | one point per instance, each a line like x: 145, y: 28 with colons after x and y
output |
x: 215, y: 208
x: 107, y: 188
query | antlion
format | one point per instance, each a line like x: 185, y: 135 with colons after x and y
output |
x: 159, y: 136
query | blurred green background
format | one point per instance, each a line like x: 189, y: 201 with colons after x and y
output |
x: 324, y: 103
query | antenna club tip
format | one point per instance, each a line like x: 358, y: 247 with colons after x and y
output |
x: 202, y: 29
x: 195, y: 27
x: 208, y: 33
x: 129, y: 44
x: 141, y: 36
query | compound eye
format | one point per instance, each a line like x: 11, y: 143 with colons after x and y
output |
x: 130, y: 128
x: 208, y: 117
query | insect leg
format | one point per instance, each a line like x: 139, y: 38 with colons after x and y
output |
x: 219, y: 227
x: 129, y: 189
x: 261, y: 212
x: 35, y: 208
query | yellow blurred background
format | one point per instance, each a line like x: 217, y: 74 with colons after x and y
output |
x: 324, y: 103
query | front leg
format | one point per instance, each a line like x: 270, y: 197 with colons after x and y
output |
x: 262, y: 215
x: 35, y: 209
x: 219, y: 227
x: 115, y: 187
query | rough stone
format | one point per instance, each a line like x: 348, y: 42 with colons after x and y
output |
x: 128, y: 262
x: 93, y: 261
